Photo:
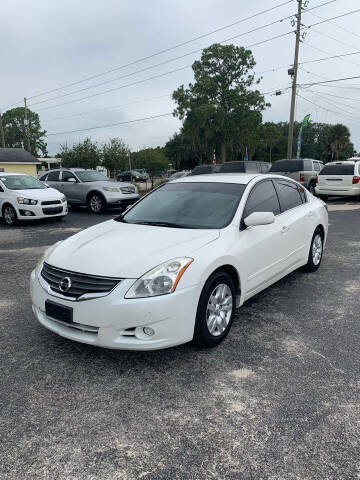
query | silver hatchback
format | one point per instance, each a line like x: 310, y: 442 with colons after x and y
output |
x: 90, y: 188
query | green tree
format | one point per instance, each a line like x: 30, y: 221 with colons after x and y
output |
x: 338, y: 138
x: 115, y: 155
x: 86, y: 154
x: 15, y: 132
x: 152, y: 159
x: 223, y: 78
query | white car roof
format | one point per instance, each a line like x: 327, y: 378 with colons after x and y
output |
x: 351, y: 161
x: 242, y: 178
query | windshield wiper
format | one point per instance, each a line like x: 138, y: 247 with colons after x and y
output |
x: 163, y: 224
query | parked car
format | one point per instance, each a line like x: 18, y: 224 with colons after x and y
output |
x: 339, y: 178
x: 232, y: 167
x: 174, y: 267
x: 177, y: 175
x: 131, y: 176
x: 23, y: 197
x: 304, y: 170
x: 90, y: 188
x: 143, y: 172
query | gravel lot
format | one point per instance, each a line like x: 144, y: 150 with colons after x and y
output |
x: 278, y: 400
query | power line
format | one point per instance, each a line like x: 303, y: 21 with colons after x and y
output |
x: 338, y: 26
x: 147, y: 79
x: 347, y: 87
x: 325, y: 108
x: 176, y: 58
x: 334, y: 39
x: 333, y: 103
x: 160, y: 52
x: 329, y: 58
x: 324, y: 51
x: 335, y: 96
x: 158, y: 64
x: 328, y: 81
x: 109, y: 125
x: 132, y: 121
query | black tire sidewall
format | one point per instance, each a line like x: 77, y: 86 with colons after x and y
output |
x: 202, y: 336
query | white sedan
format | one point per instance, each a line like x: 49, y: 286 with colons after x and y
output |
x: 23, y: 197
x: 174, y: 267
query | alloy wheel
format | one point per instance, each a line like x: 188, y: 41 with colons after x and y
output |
x: 9, y: 215
x: 317, y: 249
x: 219, y: 309
x: 96, y: 203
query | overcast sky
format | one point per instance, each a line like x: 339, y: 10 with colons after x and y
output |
x: 46, y: 44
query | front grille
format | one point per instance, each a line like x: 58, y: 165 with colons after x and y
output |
x: 81, y: 283
x: 51, y: 202
x: 52, y: 211
x: 127, y: 189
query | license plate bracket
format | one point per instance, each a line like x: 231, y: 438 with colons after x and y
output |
x: 59, y: 312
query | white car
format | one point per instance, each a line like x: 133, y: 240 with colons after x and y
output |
x: 339, y: 179
x: 174, y: 267
x: 23, y: 197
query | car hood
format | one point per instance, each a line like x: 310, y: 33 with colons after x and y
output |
x: 40, y: 194
x: 116, y: 249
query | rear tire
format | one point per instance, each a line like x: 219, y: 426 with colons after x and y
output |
x: 96, y: 203
x: 316, y: 251
x: 215, y: 312
x: 312, y: 188
x: 9, y: 215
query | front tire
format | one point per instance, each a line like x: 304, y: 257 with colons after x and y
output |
x: 96, y: 203
x: 215, y: 312
x: 316, y: 251
x: 9, y: 215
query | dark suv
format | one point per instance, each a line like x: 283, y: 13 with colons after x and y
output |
x: 303, y: 170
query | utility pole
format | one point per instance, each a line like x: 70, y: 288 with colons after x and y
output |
x: 294, y: 80
x: 26, y: 128
x: 2, y: 132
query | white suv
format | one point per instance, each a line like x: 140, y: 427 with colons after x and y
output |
x: 339, y: 178
x: 23, y: 197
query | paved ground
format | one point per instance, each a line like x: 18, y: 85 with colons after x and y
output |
x: 278, y: 400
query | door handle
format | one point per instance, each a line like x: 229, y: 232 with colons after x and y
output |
x: 285, y: 229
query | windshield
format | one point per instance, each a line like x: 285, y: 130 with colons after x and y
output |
x: 188, y: 205
x: 91, y: 176
x: 21, y: 182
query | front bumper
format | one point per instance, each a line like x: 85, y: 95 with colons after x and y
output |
x: 115, y: 322
x: 346, y: 191
x: 120, y: 200
x: 41, y: 211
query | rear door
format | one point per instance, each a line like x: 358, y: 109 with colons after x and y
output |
x: 296, y: 222
x: 337, y: 176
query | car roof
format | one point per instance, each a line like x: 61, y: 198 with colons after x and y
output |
x: 242, y: 178
x: 344, y: 162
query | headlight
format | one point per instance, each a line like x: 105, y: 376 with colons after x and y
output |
x: 63, y: 199
x: 160, y: 280
x: 111, y: 189
x: 26, y: 201
x: 46, y: 253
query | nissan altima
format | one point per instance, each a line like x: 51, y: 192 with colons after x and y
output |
x: 175, y: 266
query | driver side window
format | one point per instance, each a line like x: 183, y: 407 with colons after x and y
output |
x: 262, y: 198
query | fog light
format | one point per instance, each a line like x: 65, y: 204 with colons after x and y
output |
x: 27, y: 213
x: 148, y: 331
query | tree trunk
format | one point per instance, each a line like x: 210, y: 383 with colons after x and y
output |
x: 223, y: 152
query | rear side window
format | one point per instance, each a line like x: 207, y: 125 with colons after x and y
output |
x: 200, y: 170
x: 252, y: 167
x: 338, y: 169
x: 265, y: 167
x: 43, y: 177
x: 53, y: 176
x: 262, y: 198
x: 289, y: 195
x: 307, y: 165
x: 287, y: 166
x: 317, y: 166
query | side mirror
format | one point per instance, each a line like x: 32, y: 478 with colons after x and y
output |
x: 71, y: 180
x: 259, y: 218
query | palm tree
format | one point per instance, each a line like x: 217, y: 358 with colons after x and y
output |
x: 339, y: 138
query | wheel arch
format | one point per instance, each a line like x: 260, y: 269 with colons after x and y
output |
x: 91, y: 192
x: 234, y: 275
